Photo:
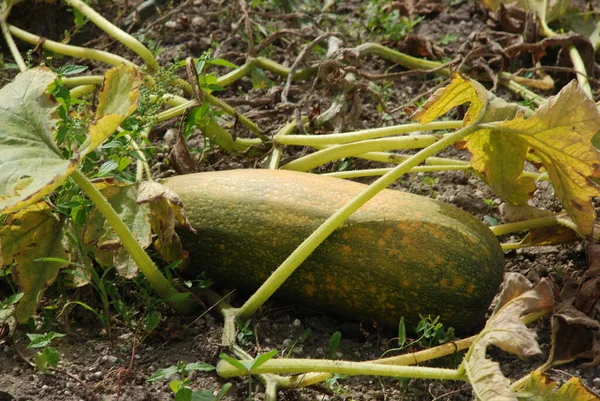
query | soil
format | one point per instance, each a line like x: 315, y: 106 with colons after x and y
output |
x: 92, y: 366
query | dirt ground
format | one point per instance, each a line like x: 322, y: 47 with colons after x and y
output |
x: 92, y: 367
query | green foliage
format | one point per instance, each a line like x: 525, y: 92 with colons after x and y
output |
x: 432, y: 332
x: 48, y: 357
x: 334, y: 343
x: 180, y: 387
x: 387, y: 22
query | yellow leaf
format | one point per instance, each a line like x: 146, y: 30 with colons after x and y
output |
x: 118, y: 99
x: 560, y: 132
x: 460, y: 91
x: 32, y: 233
x: 542, y: 388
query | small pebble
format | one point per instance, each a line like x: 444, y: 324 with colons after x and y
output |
x: 110, y: 359
x: 171, y: 24
x: 287, y: 342
x: 297, y: 323
x: 198, y: 22
x: 596, y: 382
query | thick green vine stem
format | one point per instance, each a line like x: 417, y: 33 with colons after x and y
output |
x: 318, y: 236
x: 69, y: 50
x: 157, y: 281
x: 4, y: 10
x: 283, y: 366
x: 335, y: 152
x: 135, y: 45
x: 362, y: 135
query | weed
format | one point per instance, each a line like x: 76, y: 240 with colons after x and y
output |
x: 334, y: 343
x: 48, y: 357
x: 245, y: 335
x: 432, y: 332
x: 180, y: 387
x: 388, y: 23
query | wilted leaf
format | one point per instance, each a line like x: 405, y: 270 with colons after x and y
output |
x: 546, y: 10
x: 505, y: 330
x: 560, y: 132
x: 540, y: 387
x: 574, y: 335
x: 32, y: 233
x: 118, y: 99
x: 512, y: 213
x: 98, y: 234
x: 460, y: 91
x: 498, y: 156
x: 166, y: 212
x: 575, y: 331
x: 31, y: 165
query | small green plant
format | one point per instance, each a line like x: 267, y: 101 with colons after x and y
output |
x: 48, y: 357
x: 181, y: 387
x: 388, y: 23
x: 334, y: 343
x: 448, y: 38
x: 333, y: 384
x: 432, y: 332
x: 249, y: 366
x: 245, y: 335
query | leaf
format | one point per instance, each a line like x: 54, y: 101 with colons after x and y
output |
x: 117, y: 100
x: 262, y: 358
x: 460, y: 91
x: 560, y: 132
x: 42, y: 340
x: 245, y: 366
x: 199, y: 366
x: 166, y: 212
x: 575, y: 332
x: 98, y: 234
x: 29, y: 234
x: 540, y: 387
x: 162, y: 374
x: 505, y: 330
x: 31, y: 165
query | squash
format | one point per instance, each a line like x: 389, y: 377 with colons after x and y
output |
x: 399, y: 255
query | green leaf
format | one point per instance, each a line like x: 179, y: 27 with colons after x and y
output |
x: 52, y: 356
x: 184, y: 394
x: 242, y: 366
x: 118, y: 99
x: 334, y: 342
x: 401, y: 332
x: 31, y: 165
x: 199, y: 366
x: 262, y: 358
x: 71, y: 69
x: 42, y: 340
x: 222, y: 62
x: 33, y: 233
x: 162, y: 374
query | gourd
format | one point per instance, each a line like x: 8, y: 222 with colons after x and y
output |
x: 399, y: 255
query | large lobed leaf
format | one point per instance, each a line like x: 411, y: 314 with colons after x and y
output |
x: 541, y: 388
x: 561, y: 132
x: 31, y: 165
x: 30, y: 234
x: 117, y: 100
x: 558, y: 135
x: 505, y: 330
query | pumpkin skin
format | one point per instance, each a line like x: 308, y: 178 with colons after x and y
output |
x: 399, y: 255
